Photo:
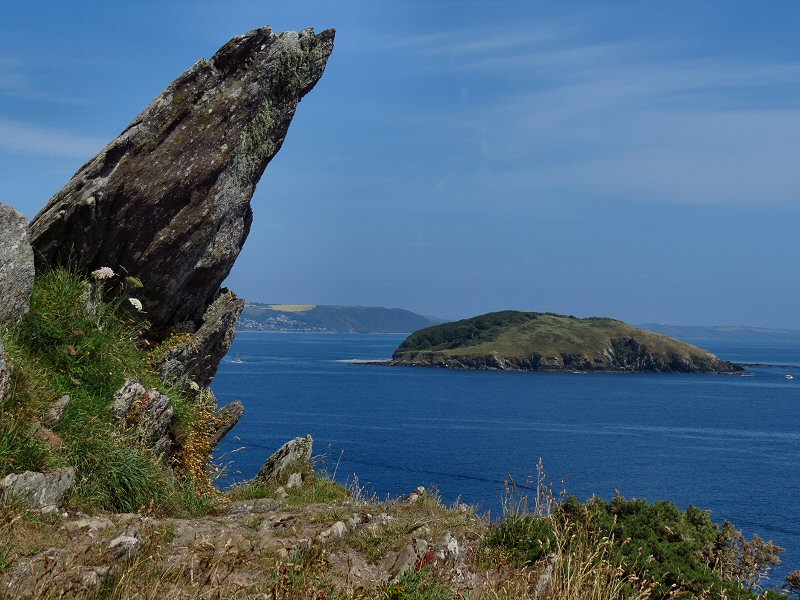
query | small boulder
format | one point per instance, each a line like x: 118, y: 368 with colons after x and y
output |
x: 397, y: 564
x: 414, y: 496
x: 148, y: 414
x: 43, y: 491
x: 292, y: 452
x: 16, y: 266
x: 90, y: 525
x: 124, y: 546
x: 53, y: 418
x: 295, y: 480
x: 335, y: 532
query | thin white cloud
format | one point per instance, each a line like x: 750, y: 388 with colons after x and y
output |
x: 24, y: 138
x: 15, y: 84
x: 610, y: 120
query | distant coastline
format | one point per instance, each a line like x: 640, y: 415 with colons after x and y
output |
x: 323, y: 318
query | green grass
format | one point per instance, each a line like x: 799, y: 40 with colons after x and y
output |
x: 413, y: 585
x: 61, y: 348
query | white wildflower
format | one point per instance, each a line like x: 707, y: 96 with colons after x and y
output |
x: 136, y: 303
x: 194, y: 386
x: 103, y: 273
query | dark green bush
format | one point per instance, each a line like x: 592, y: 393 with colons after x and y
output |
x: 524, y: 538
x: 683, y: 550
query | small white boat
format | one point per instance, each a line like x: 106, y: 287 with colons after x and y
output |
x: 237, y: 360
x: 789, y: 377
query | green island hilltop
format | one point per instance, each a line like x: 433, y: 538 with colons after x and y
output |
x: 511, y: 340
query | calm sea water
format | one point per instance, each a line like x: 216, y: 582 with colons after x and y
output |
x: 728, y: 444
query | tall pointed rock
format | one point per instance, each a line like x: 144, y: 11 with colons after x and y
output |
x: 169, y: 199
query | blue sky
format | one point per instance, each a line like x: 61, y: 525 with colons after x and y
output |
x: 630, y: 159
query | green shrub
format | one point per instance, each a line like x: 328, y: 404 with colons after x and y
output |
x: 522, y: 538
x: 655, y: 542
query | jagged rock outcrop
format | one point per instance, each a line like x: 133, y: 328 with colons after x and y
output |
x: 168, y: 201
x: 5, y: 375
x: 226, y: 419
x: 293, y: 452
x: 146, y: 414
x: 44, y: 491
x: 196, y: 356
x: 16, y: 265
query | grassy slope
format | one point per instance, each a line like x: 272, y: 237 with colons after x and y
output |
x: 61, y: 349
x: 517, y: 334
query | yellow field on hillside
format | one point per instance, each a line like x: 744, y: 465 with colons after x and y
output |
x: 293, y: 307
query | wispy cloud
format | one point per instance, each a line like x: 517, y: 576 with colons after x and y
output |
x: 472, y: 42
x: 18, y: 137
x: 585, y: 118
x: 15, y: 83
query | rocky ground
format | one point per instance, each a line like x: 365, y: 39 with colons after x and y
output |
x: 263, y: 548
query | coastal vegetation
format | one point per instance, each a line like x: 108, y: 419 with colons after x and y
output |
x: 315, y: 539
x: 514, y: 340
x: 71, y: 345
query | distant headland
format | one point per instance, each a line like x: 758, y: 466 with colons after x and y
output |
x: 325, y: 318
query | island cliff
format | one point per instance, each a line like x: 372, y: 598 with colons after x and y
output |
x: 530, y: 341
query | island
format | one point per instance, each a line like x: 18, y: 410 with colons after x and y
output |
x: 533, y: 341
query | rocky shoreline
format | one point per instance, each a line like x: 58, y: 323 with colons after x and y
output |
x: 493, y: 363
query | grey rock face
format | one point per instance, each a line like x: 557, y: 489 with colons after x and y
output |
x: 124, y: 397
x: 197, y: 357
x: 147, y: 414
x: 294, y: 451
x: 335, y: 532
x: 16, y: 265
x: 43, y: 491
x: 227, y: 417
x: 56, y: 569
x: 169, y: 199
x: 294, y: 480
x: 125, y: 547
x: 5, y: 375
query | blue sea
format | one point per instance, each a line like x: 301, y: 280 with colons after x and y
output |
x: 730, y: 444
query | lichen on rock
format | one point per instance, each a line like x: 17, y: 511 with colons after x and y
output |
x: 168, y: 201
x: 16, y: 266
